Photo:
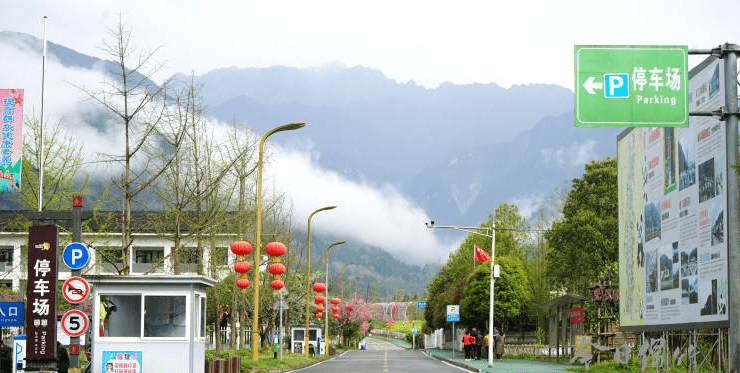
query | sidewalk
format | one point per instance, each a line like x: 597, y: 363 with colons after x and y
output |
x: 499, y: 366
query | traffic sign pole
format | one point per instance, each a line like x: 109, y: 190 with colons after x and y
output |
x: 77, y: 203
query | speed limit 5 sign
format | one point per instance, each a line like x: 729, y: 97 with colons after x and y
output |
x: 74, y: 323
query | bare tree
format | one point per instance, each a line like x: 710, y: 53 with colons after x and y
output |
x: 136, y: 104
x: 190, y: 187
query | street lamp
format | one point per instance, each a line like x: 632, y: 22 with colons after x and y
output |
x: 326, y: 293
x: 494, y: 274
x: 308, y: 277
x: 255, y: 317
x: 343, y: 267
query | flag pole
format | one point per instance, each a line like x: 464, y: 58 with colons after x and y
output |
x: 41, y: 126
x: 490, y: 304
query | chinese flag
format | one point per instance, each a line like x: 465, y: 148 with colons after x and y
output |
x: 481, y: 255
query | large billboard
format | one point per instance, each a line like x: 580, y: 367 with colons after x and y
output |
x: 11, y: 139
x: 673, y: 260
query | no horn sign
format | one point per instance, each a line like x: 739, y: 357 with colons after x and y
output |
x: 75, y: 290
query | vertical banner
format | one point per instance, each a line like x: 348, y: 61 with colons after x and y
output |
x: 41, y: 292
x: 11, y: 139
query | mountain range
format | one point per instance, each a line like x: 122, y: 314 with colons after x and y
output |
x: 457, y: 151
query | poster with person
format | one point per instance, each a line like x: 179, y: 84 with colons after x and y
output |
x: 122, y: 362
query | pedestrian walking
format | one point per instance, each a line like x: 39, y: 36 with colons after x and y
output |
x: 499, y: 346
x: 485, y: 344
x: 477, y: 345
x: 466, y: 345
x: 62, y: 359
x: 6, y: 358
x: 474, y: 344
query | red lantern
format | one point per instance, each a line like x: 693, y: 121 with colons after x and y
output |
x: 242, y: 267
x: 348, y: 307
x: 320, y: 309
x: 319, y: 287
x: 318, y: 315
x: 319, y: 299
x: 243, y: 283
x: 335, y: 309
x: 275, y: 248
x: 277, y: 285
x: 335, y: 316
x: 241, y: 248
x: 276, y: 269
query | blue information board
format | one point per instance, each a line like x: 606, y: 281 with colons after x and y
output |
x: 11, y: 314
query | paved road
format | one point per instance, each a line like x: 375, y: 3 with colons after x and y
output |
x: 382, y: 357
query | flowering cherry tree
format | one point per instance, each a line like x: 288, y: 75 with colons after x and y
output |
x: 358, y: 312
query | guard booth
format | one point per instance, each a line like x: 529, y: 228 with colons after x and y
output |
x: 298, y: 337
x: 149, y: 323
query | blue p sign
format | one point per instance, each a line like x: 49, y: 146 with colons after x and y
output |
x: 76, y: 255
x: 616, y: 86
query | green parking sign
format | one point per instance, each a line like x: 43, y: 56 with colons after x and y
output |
x: 631, y: 86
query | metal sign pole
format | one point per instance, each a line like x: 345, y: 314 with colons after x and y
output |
x: 733, y: 205
x: 74, y: 342
x: 280, y: 332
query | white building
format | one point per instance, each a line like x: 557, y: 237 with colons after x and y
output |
x: 150, y: 254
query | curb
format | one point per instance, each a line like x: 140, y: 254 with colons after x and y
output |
x: 453, y: 362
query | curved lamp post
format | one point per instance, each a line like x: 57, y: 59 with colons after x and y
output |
x: 255, y: 317
x: 343, y: 267
x: 494, y: 272
x: 308, y: 277
x: 326, y: 293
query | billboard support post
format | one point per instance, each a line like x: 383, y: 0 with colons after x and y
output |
x: 733, y: 205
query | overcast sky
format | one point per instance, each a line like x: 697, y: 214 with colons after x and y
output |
x: 429, y: 42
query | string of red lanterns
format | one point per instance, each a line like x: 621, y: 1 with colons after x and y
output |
x: 335, y: 308
x: 241, y: 249
x: 319, y: 300
x: 275, y: 250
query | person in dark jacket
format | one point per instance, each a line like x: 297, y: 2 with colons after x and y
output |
x: 62, y: 358
x: 478, y: 343
x: 6, y: 358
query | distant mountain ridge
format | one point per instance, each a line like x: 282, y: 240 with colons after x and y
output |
x: 458, y: 150
x: 389, y: 131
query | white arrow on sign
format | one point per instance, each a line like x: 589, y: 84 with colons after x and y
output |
x: 590, y: 85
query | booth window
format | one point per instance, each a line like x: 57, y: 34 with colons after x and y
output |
x: 109, y: 259
x: 190, y: 259
x: 164, y: 316
x: 6, y: 258
x: 203, y: 317
x: 120, y: 315
x: 148, y: 259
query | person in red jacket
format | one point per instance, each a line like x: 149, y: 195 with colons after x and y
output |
x: 466, y: 345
